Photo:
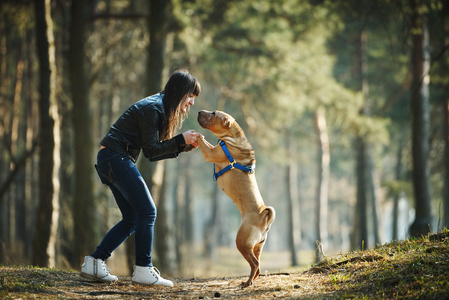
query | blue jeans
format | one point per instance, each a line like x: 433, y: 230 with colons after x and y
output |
x: 134, y: 200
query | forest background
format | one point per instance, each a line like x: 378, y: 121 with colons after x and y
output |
x: 345, y: 103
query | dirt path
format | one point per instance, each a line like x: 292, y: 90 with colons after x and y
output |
x: 224, y: 288
x: 47, y: 284
x: 410, y: 269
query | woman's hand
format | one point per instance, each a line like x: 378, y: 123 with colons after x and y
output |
x: 190, y: 137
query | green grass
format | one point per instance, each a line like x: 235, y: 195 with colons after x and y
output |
x: 414, y: 268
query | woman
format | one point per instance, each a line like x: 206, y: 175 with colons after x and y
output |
x: 148, y: 125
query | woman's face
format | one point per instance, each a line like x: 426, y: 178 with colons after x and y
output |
x: 186, y: 102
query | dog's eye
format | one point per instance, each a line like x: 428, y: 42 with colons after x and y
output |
x: 213, y: 113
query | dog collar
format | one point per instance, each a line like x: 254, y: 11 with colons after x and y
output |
x: 232, y: 164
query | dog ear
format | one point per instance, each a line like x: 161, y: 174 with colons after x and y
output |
x: 227, y: 123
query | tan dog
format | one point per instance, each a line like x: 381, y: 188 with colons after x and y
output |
x: 239, y: 185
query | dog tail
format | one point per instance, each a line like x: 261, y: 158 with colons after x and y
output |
x: 269, y: 214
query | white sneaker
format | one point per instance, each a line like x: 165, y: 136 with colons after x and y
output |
x: 96, y: 269
x: 149, y: 276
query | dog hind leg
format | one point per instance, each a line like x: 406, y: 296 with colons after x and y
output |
x: 245, y: 242
x: 248, y: 254
x: 257, y: 251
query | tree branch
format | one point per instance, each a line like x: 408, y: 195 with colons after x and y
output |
x: 18, y: 165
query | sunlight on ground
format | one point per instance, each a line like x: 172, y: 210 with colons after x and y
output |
x: 226, y: 263
x: 229, y: 262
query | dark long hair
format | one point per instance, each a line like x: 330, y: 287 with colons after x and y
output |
x: 180, y: 84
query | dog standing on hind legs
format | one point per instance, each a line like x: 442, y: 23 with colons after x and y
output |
x: 235, y: 163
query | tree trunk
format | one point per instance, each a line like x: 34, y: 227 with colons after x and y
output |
x: 32, y: 141
x: 211, y: 229
x: 17, y: 186
x: 445, y: 109
x: 373, y: 187
x: 361, y: 226
x: 3, y: 110
x: 420, y: 121
x: 158, y: 28
x: 446, y: 160
x: 179, y: 217
x: 292, y: 197
x: 161, y: 237
x: 49, y: 142
x: 323, y: 156
x: 397, y: 196
x: 188, y: 209
x: 83, y: 200
x: 177, y: 221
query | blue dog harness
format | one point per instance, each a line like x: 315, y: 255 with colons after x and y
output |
x: 232, y: 164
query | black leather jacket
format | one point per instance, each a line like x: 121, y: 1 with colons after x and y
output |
x: 138, y: 128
